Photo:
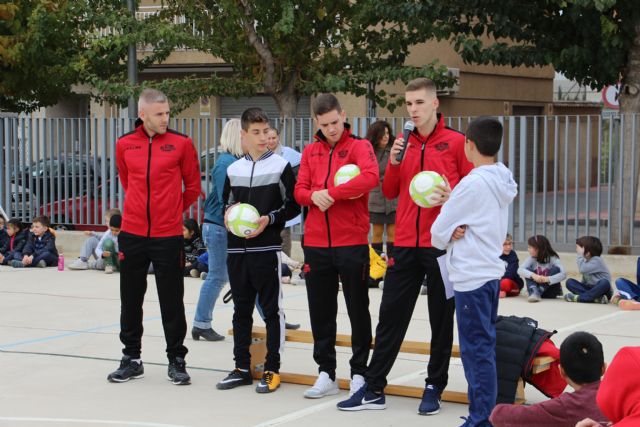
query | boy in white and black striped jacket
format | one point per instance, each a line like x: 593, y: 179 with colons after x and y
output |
x: 265, y: 181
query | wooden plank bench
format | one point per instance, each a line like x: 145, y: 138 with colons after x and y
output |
x: 258, y: 352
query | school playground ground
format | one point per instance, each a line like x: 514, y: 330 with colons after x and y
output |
x: 59, y: 340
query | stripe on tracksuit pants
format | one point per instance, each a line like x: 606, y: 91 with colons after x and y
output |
x: 254, y: 274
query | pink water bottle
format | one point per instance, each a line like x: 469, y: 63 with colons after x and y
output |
x: 60, y: 262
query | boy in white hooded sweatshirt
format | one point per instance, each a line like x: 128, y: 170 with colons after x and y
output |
x: 471, y: 227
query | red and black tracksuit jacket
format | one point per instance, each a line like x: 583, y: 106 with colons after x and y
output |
x: 442, y: 151
x: 346, y: 223
x: 152, y: 170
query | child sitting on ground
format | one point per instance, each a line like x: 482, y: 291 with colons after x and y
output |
x: 17, y: 238
x: 619, y: 394
x: 40, y: 250
x: 582, y: 365
x: 511, y: 283
x: 90, y: 244
x: 596, y: 279
x: 193, y: 248
x: 542, y: 270
x: 628, y: 295
x: 107, y: 250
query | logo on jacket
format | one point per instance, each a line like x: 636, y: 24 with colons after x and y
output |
x: 441, y: 146
x: 343, y: 153
x: 167, y: 147
x: 133, y: 147
x: 306, y: 268
x: 120, y: 256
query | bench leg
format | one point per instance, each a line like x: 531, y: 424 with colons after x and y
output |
x: 258, y: 350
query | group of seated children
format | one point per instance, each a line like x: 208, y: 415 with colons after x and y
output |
x: 593, y: 403
x: 28, y: 248
x: 543, y: 274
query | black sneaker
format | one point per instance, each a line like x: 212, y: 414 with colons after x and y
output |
x: 205, y: 334
x: 128, y: 370
x: 234, y: 379
x: 177, y: 372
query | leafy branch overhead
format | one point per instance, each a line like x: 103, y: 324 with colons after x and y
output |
x: 285, y: 49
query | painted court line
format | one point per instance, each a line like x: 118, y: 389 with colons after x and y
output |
x: 87, y: 421
x: 592, y: 321
x: 329, y: 404
x: 98, y: 328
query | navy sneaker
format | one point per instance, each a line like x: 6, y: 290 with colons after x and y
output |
x: 128, y: 370
x: 430, y: 404
x: 363, y: 399
x: 235, y: 378
x: 177, y: 372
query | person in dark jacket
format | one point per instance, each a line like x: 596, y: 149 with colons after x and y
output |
x: 17, y: 237
x: 264, y: 180
x: 40, y: 250
x: 154, y: 163
x: 382, y: 211
x: 511, y: 283
x: 193, y: 248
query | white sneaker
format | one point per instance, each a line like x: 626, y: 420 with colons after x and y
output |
x: 356, y: 384
x: 108, y: 269
x: 323, y: 386
x: 78, y: 264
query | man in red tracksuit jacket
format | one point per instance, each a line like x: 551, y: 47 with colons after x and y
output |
x: 336, y: 240
x: 153, y: 164
x: 430, y: 147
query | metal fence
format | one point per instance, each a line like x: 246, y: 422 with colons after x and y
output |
x: 569, y: 169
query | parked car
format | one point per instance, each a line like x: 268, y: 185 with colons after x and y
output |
x: 55, y: 178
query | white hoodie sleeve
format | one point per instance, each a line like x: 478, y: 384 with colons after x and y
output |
x: 455, y: 212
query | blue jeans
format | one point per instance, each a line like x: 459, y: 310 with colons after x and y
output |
x: 628, y: 289
x: 589, y: 293
x: 476, y: 314
x: 215, y: 239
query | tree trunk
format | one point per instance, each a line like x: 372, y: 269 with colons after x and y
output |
x: 287, y: 99
x: 630, y: 107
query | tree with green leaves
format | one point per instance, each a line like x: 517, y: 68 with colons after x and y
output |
x: 595, y: 42
x: 49, y: 47
x: 284, y: 49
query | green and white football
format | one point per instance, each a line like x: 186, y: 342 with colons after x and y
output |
x: 422, y: 186
x: 345, y: 174
x: 242, y: 219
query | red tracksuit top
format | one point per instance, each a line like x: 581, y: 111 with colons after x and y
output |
x: 442, y: 151
x: 346, y: 223
x: 152, y: 171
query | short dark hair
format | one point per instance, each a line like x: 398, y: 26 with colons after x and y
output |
x: 376, y: 132
x: 251, y: 116
x: 324, y: 103
x: 44, y: 220
x: 16, y: 223
x: 592, y: 245
x: 421, y: 83
x: 486, y: 133
x: 115, y: 221
x: 192, y: 225
x: 582, y: 358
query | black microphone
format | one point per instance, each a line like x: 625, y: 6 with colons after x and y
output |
x: 409, y: 126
